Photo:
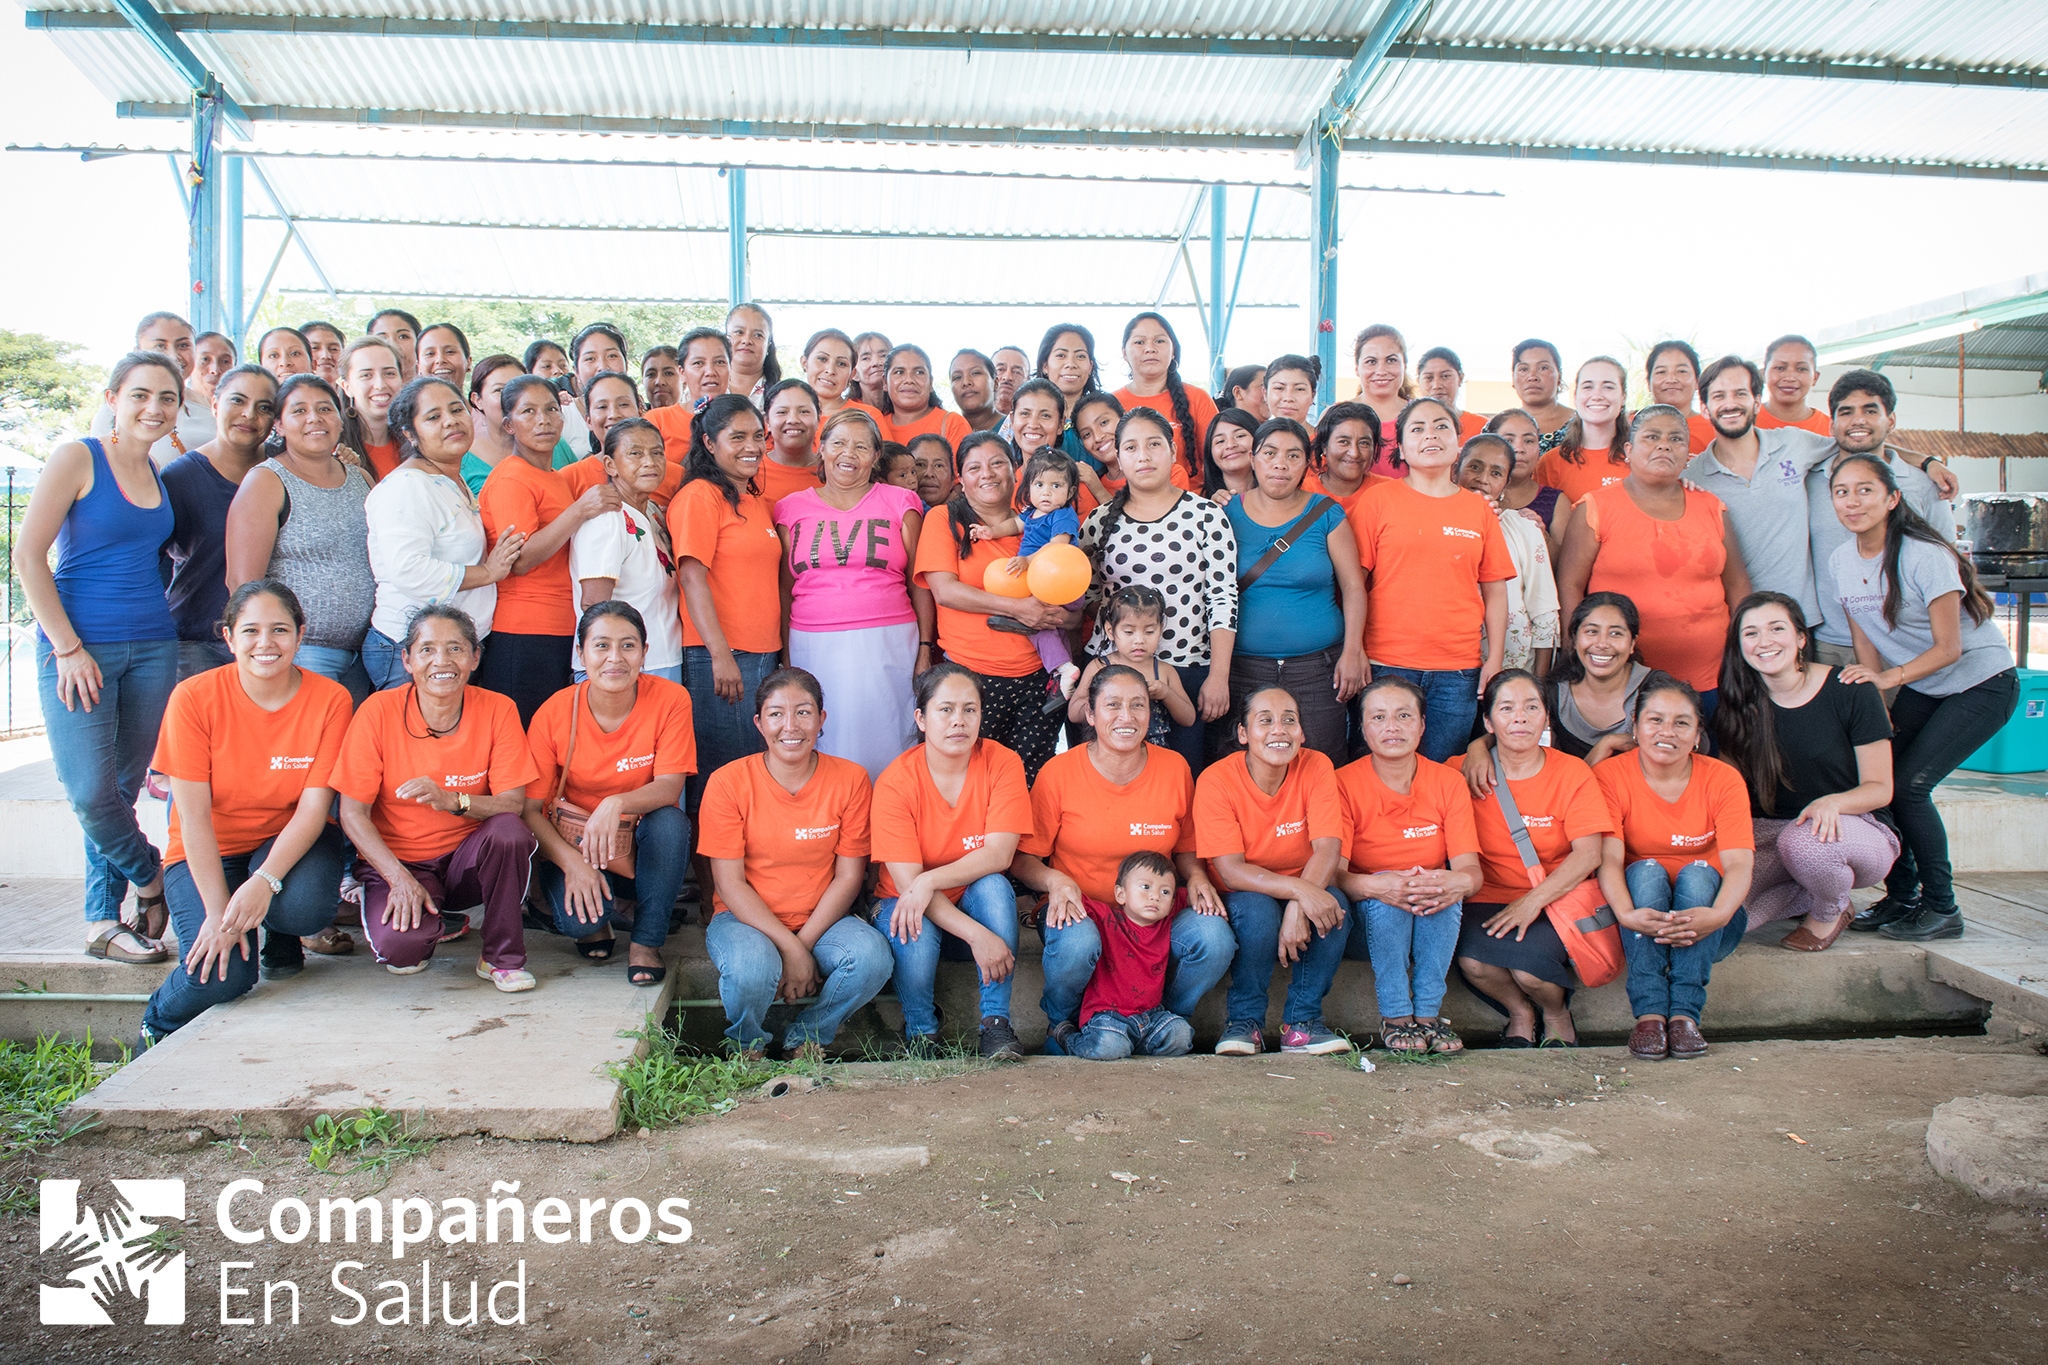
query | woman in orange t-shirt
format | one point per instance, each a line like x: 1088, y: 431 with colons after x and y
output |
x: 1414, y: 858
x: 1675, y: 868
x: 1592, y: 449
x: 1092, y: 807
x: 953, y: 566
x: 1508, y: 951
x: 1665, y: 548
x: 1270, y: 824
x: 909, y: 406
x: 1343, y: 452
x: 791, y: 463
x: 1153, y: 352
x: 948, y: 816
x: 624, y: 737
x: 787, y: 835
x: 728, y: 559
x: 433, y: 779
x: 255, y: 847
x: 533, y: 629
x: 370, y: 377
x: 828, y: 367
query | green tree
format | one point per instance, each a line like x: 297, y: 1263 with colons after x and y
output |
x: 37, y: 375
x: 494, y: 325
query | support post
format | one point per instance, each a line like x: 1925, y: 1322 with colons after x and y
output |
x: 202, y: 249
x: 1323, y: 260
x: 234, y: 318
x: 1218, y: 243
x: 736, y: 229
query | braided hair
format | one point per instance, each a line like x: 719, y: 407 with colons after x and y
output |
x: 718, y: 414
x: 1113, y: 510
x: 1183, y: 416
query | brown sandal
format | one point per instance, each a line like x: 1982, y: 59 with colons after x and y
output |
x: 1442, y: 1039
x: 1405, y: 1038
x: 152, y: 916
x: 1804, y: 940
x: 329, y: 942
x: 103, y: 945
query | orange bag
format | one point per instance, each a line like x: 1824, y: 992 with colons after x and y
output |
x: 1581, y: 916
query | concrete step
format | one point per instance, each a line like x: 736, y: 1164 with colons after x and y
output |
x: 39, y: 835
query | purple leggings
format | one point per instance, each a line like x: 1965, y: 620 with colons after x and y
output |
x: 1797, y: 875
x: 490, y: 866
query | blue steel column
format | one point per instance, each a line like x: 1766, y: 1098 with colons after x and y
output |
x: 1323, y: 263
x: 1218, y: 241
x: 736, y: 228
x: 232, y: 302
x: 202, y: 242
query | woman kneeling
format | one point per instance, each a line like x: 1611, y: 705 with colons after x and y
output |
x: 253, y: 848
x: 787, y: 835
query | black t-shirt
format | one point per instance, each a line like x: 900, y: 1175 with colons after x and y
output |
x: 1817, y: 742
x: 198, y: 547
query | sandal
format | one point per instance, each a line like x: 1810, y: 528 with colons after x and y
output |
x: 152, y: 916
x: 638, y: 975
x: 1404, y: 1038
x: 1441, y: 1038
x: 596, y: 949
x: 329, y: 942
x: 104, y: 945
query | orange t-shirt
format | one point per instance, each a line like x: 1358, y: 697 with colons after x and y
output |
x: 1085, y: 826
x: 1201, y: 407
x: 1816, y: 422
x: 1595, y: 469
x: 1671, y: 570
x: 1426, y: 558
x: 1712, y: 815
x: 789, y: 843
x: 1470, y: 424
x: 1273, y: 832
x: 588, y: 472
x: 387, y: 747
x: 939, y: 421
x: 542, y: 602
x: 266, y: 759
x: 964, y: 636
x: 1700, y: 432
x: 1389, y: 832
x: 743, y: 556
x: 1559, y: 804
x: 1314, y: 484
x: 778, y: 481
x: 383, y: 459
x: 913, y: 824
x: 656, y: 740
x: 674, y: 423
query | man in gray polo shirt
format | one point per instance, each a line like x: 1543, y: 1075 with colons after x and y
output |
x: 1861, y: 404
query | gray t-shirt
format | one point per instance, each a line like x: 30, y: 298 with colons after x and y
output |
x: 1769, y: 511
x: 1829, y: 534
x: 1925, y: 573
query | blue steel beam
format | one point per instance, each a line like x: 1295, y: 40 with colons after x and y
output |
x: 1251, y: 217
x: 1323, y: 265
x: 1218, y: 241
x: 736, y: 234
x: 141, y: 16
x: 234, y: 319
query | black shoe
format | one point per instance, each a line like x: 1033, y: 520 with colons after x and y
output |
x: 1928, y: 925
x: 1876, y: 917
x: 999, y: 1041
x: 1060, y: 1037
x: 282, y: 956
x: 1010, y: 624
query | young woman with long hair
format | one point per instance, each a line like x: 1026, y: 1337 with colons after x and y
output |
x: 1153, y: 352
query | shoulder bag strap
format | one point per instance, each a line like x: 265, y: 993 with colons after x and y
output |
x: 575, y: 719
x: 1285, y: 541
x: 1523, y: 844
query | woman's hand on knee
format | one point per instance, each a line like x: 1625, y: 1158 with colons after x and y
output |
x: 247, y: 907
x: 211, y: 948
x: 800, y: 975
x: 992, y: 958
x: 584, y: 892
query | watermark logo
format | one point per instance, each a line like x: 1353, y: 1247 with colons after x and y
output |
x: 113, y: 1255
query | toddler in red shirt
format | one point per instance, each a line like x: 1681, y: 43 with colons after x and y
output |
x: 1121, y: 1013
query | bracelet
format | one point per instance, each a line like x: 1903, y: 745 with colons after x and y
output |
x: 1926, y: 462
x: 276, y: 883
x: 67, y: 653
x: 926, y: 644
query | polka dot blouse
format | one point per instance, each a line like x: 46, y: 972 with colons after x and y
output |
x: 1189, y: 556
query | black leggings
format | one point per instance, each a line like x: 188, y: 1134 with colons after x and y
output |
x: 1013, y: 713
x: 1930, y: 736
x: 527, y: 668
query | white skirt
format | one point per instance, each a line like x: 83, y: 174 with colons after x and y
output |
x: 866, y: 675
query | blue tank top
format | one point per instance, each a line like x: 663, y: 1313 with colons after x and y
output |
x: 107, y: 575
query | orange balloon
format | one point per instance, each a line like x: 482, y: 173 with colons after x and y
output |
x: 1004, y: 584
x: 1059, y: 575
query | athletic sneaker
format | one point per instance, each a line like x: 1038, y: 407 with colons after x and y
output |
x: 147, y: 1038
x: 507, y: 979
x: 396, y: 970
x: 1243, y: 1038
x: 999, y: 1041
x: 1313, y: 1036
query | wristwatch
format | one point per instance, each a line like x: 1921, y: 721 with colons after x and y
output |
x: 276, y: 886
x: 462, y: 803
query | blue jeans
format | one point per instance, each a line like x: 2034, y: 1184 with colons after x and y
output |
x: 1200, y: 955
x: 1450, y: 702
x: 1664, y: 979
x: 383, y: 660
x: 1255, y: 919
x: 200, y: 656
x: 1110, y: 1036
x: 990, y: 902
x: 303, y: 908
x: 725, y: 731
x: 1411, y: 956
x: 102, y: 755
x: 852, y: 956
x: 344, y: 666
x: 661, y: 857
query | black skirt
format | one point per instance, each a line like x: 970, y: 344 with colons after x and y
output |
x: 1540, y: 952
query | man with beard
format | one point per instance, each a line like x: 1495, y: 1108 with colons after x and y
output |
x: 973, y: 379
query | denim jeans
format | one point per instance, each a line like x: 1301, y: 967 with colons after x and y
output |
x: 102, y: 755
x: 853, y: 958
x: 1202, y: 946
x: 990, y: 902
x: 1255, y: 921
x: 661, y: 857
x: 725, y: 730
x: 303, y: 908
x: 344, y: 666
x: 1411, y: 956
x: 200, y: 656
x: 1662, y: 978
x: 1930, y: 736
x: 1110, y: 1036
x: 384, y: 661
x: 1450, y: 698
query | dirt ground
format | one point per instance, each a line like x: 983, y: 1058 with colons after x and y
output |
x: 1555, y: 1205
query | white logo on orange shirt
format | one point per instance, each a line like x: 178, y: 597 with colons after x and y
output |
x: 970, y: 842
x: 1539, y: 821
x: 1291, y: 827
x: 632, y: 761
x: 1462, y: 531
x: 280, y: 763
x: 1140, y: 830
x: 821, y: 832
x: 457, y: 781
x: 1418, y: 831
x: 1692, y: 840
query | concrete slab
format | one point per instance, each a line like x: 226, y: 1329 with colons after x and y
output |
x: 1994, y: 822
x: 442, y: 1046
x: 2012, y: 976
x: 38, y: 833
x: 1993, y: 1145
x: 42, y: 962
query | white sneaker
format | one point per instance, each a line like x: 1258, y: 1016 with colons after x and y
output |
x: 507, y: 979
x: 397, y: 970
x: 1068, y: 675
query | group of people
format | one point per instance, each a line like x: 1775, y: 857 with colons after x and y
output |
x: 1202, y: 686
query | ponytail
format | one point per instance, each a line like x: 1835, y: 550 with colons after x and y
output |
x: 1901, y: 524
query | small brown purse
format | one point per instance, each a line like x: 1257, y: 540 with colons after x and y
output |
x: 569, y: 818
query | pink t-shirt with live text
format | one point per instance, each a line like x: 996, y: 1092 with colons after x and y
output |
x: 851, y: 568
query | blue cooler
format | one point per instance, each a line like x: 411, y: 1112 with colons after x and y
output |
x: 2022, y: 746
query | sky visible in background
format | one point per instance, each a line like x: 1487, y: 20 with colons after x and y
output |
x: 1598, y: 258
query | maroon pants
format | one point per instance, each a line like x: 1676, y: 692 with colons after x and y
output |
x: 490, y: 866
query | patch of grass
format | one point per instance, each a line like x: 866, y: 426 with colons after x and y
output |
x: 35, y: 1084
x: 671, y: 1082
x: 371, y: 1139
